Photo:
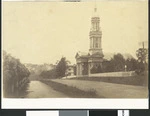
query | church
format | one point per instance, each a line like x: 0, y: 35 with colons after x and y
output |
x: 94, y: 58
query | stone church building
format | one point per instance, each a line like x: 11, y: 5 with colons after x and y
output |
x: 94, y: 58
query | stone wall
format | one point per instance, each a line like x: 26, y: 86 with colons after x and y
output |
x: 114, y: 74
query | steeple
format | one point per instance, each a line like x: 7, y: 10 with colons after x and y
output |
x: 95, y: 10
x: 95, y: 35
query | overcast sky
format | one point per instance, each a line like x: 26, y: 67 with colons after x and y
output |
x: 43, y: 32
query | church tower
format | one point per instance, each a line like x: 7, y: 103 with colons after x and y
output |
x: 91, y: 62
x: 95, y: 35
x: 95, y: 52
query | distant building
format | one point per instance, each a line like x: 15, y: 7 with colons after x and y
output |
x: 86, y: 61
x: 70, y: 70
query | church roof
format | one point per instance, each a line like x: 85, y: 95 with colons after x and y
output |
x: 107, y: 56
x: 82, y: 54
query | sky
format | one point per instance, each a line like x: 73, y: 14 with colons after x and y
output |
x: 43, y: 32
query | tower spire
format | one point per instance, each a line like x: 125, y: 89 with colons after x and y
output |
x: 95, y: 34
x: 95, y: 8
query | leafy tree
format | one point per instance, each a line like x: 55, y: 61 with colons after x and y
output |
x: 57, y: 72
x: 118, y: 62
x: 99, y: 69
x: 14, y: 73
x: 51, y: 74
x: 61, y: 67
x: 132, y: 64
x: 142, y: 54
x: 96, y: 69
x: 108, y: 66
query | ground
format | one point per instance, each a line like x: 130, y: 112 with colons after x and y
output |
x: 38, y: 89
x: 59, y: 88
x: 108, y: 90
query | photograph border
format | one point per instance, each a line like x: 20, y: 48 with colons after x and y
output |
x: 64, y: 104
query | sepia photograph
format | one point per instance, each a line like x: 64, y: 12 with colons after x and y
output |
x: 85, y: 50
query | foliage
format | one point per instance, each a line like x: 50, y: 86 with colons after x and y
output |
x: 132, y: 64
x: 61, y: 67
x: 96, y: 69
x: 49, y: 74
x: 57, y: 72
x: 142, y: 54
x: 108, y: 66
x: 13, y: 73
x: 118, y: 62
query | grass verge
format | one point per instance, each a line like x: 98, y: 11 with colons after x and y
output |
x: 71, y: 91
x: 134, y: 80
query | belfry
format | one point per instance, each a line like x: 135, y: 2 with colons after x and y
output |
x: 92, y: 60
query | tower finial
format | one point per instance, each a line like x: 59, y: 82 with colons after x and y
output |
x: 95, y: 9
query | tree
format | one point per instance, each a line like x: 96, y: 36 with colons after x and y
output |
x: 142, y: 54
x: 96, y: 69
x: 132, y: 64
x: 50, y: 74
x: 61, y: 67
x: 118, y: 62
x: 108, y: 66
x: 99, y: 69
x: 58, y: 71
x: 14, y: 73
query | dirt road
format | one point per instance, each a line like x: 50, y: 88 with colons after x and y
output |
x: 38, y: 89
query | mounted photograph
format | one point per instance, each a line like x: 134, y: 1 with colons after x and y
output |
x: 87, y: 50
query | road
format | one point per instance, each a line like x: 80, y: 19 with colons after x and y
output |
x: 38, y: 89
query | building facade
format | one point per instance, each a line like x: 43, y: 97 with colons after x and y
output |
x: 94, y: 58
x: 70, y: 70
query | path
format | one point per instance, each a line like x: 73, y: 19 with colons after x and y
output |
x: 38, y: 89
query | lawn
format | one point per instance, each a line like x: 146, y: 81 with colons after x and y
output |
x: 139, y: 80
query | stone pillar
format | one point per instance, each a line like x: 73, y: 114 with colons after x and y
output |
x: 81, y: 68
x: 77, y: 69
x: 89, y: 68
